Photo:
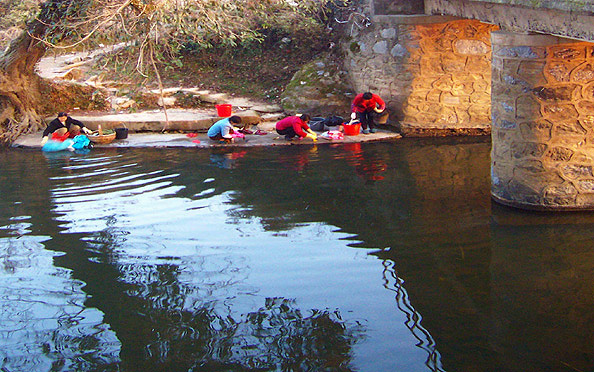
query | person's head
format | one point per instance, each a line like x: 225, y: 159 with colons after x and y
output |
x: 367, y: 95
x: 305, y: 118
x: 74, y: 129
x: 235, y: 119
x: 62, y: 116
x: 61, y: 131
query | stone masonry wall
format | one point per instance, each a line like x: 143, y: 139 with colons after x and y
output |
x: 543, y: 122
x: 433, y: 72
x: 452, y: 88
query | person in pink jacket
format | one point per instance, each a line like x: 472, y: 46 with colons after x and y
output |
x: 363, y: 108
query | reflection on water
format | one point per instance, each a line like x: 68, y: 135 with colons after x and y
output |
x: 367, y: 257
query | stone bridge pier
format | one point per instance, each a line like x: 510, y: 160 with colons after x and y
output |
x: 542, y: 108
x: 520, y: 70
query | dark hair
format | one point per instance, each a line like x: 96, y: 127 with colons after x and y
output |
x: 60, y: 114
x: 305, y: 117
x: 367, y: 95
x: 235, y: 119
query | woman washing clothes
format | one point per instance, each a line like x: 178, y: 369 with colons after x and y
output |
x: 223, y: 129
x: 295, y: 126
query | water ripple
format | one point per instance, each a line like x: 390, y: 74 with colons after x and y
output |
x: 43, y: 318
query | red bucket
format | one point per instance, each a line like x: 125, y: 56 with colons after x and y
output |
x: 223, y: 110
x: 352, y: 129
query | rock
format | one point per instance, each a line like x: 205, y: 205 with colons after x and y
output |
x: 320, y: 88
x: 267, y: 108
x: 195, y: 91
x: 249, y: 117
x: 121, y: 103
x: 214, y: 98
x: 273, y: 117
x: 167, y: 101
x: 241, y: 103
x: 166, y: 91
x: 71, y: 74
x: 95, y: 81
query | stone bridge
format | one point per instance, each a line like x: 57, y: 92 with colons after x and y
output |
x: 521, y: 70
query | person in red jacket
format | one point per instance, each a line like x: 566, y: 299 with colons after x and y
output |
x: 292, y: 126
x: 363, y: 108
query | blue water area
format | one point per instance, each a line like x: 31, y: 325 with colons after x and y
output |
x: 352, y: 257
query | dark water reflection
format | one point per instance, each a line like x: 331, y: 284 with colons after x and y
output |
x: 377, y: 257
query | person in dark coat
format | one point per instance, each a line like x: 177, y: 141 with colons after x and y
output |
x: 63, y: 121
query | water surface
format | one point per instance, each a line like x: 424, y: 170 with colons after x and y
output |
x: 358, y: 257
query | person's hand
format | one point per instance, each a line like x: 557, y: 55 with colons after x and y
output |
x: 354, y: 115
x: 86, y: 130
x: 43, y: 140
x: 379, y: 111
x: 312, y: 136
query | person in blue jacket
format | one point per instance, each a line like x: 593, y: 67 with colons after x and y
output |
x: 223, y: 129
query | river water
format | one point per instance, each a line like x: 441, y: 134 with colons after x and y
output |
x: 356, y: 257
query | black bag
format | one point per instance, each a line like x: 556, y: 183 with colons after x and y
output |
x: 317, y: 124
x: 333, y: 121
x: 324, y: 124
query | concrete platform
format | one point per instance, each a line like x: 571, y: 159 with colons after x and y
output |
x: 192, y: 134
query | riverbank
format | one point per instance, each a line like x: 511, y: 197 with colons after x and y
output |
x: 177, y: 126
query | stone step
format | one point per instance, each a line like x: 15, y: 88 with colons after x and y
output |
x: 155, y: 121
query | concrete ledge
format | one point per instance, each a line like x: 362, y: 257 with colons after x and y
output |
x: 416, y: 19
x: 525, y: 39
x: 155, y: 121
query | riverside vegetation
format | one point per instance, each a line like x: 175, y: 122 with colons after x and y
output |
x: 242, y: 47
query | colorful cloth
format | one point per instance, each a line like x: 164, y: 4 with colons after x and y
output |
x: 52, y: 145
x: 60, y: 138
x: 333, y: 135
x: 81, y: 142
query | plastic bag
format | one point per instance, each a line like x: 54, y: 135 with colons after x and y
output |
x: 333, y: 135
x: 51, y: 145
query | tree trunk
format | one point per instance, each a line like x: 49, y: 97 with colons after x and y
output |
x: 20, y: 89
x: 20, y: 86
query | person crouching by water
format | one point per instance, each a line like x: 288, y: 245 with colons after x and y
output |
x: 363, y: 108
x: 293, y: 126
x: 63, y: 121
x: 223, y: 129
